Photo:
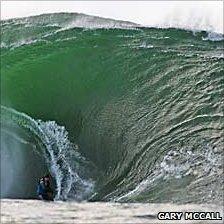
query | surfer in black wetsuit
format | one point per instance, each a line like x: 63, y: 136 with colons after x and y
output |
x: 44, y: 189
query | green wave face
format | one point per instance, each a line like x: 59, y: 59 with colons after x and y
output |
x: 144, y: 106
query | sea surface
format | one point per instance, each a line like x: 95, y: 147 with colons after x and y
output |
x: 34, y: 211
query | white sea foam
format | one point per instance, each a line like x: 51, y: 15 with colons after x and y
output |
x: 61, y: 159
x: 214, y: 36
x: 180, y: 163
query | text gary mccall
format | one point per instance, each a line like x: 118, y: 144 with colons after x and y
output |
x: 189, y: 216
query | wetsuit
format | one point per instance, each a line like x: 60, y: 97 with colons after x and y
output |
x: 44, y: 191
x: 48, y: 191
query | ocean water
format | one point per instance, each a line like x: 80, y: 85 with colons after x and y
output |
x: 35, y: 211
x: 114, y: 111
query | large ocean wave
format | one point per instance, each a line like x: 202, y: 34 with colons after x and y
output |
x: 121, y: 112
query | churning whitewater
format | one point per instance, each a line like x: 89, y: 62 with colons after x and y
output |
x: 114, y: 111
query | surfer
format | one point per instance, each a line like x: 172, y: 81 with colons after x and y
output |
x: 44, y: 190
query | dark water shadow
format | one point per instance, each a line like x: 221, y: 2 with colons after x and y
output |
x: 146, y: 216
